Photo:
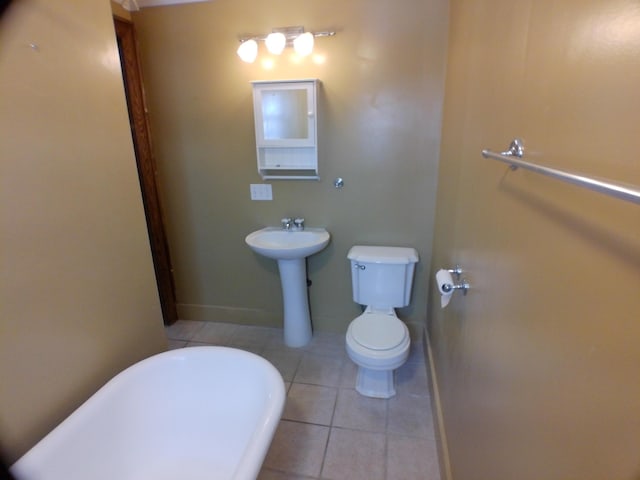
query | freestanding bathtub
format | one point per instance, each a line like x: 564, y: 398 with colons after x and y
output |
x: 191, y: 414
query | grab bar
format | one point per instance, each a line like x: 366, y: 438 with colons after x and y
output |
x: 516, y: 151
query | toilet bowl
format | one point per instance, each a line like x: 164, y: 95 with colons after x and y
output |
x: 378, y: 341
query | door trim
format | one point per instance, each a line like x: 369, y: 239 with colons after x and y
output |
x: 147, y: 170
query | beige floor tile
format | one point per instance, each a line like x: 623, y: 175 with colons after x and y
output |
x: 349, y: 374
x: 319, y: 370
x: 247, y: 348
x: 297, y: 448
x: 411, y: 378
x: 310, y: 404
x: 410, y: 458
x: 327, y: 343
x: 277, y: 343
x: 183, y: 329
x: 410, y: 415
x: 358, y: 412
x: 255, y: 338
x: 175, y: 344
x: 256, y: 351
x: 286, y: 361
x: 267, y: 474
x: 198, y: 344
x: 354, y: 455
x: 215, y: 333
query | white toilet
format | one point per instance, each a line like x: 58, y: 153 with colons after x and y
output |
x: 378, y: 341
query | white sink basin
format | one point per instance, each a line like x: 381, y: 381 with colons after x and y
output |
x: 279, y: 244
x: 290, y: 248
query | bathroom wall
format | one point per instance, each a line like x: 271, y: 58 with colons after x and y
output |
x: 379, y: 106
x: 78, y: 295
x: 537, y: 366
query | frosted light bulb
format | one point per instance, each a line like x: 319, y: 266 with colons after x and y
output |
x: 248, y: 51
x: 275, y: 42
x: 303, y: 44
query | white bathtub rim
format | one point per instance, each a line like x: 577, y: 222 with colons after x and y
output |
x: 258, y: 445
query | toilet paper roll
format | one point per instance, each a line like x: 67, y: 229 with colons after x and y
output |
x: 443, y: 277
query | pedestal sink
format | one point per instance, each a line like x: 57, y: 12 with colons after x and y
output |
x: 290, y: 248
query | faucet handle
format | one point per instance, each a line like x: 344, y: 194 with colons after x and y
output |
x: 286, y: 223
x: 299, y: 223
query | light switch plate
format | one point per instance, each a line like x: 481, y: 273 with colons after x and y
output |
x: 261, y: 191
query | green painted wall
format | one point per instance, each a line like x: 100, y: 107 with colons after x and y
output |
x: 379, y: 106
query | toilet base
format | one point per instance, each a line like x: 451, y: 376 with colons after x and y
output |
x: 375, y: 383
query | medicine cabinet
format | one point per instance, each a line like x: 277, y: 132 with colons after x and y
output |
x: 286, y: 129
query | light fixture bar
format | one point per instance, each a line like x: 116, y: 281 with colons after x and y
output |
x: 276, y: 41
x: 289, y: 32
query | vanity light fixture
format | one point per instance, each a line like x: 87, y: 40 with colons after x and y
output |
x: 277, y: 40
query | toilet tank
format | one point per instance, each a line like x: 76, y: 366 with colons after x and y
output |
x: 382, y: 276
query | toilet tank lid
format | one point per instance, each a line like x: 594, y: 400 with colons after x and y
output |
x: 373, y: 254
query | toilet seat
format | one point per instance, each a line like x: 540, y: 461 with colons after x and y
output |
x: 391, y: 352
x: 378, y: 331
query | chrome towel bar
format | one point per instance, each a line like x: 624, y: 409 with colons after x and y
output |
x: 513, y: 156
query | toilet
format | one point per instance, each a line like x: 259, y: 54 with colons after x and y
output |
x: 378, y: 341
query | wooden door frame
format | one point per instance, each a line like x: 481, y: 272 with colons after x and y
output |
x: 147, y: 170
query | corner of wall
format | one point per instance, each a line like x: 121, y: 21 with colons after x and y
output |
x: 436, y: 408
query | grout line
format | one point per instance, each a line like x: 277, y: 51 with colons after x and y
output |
x: 308, y: 423
x: 386, y: 455
x: 324, y: 454
x: 386, y: 420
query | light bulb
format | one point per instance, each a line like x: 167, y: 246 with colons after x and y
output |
x: 275, y: 42
x: 248, y: 51
x: 303, y: 44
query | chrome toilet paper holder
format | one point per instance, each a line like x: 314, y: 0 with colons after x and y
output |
x: 457, y: 271
x: 464, y: 285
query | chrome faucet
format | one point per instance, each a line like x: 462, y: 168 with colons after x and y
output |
x: 287, y: 223
x: 299, y: 223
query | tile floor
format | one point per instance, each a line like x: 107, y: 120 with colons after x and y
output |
x: 328, y: 431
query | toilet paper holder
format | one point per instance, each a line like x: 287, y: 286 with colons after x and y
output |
x: 464, y: 286
x: 457, y: 271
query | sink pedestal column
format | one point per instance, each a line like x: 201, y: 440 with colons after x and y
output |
x: 297, y: 320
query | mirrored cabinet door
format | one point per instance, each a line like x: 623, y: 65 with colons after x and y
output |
x: 285, y: 113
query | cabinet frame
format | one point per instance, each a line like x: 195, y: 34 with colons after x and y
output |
x: 287, y: 158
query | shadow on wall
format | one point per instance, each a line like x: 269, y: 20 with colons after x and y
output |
x: 584, y: 228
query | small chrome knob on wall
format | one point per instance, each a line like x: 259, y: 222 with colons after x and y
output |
x: 299, y: 223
